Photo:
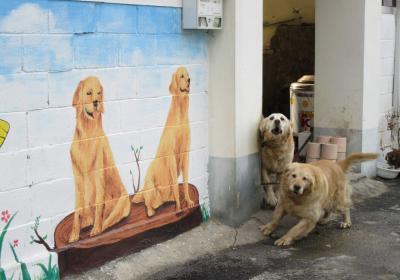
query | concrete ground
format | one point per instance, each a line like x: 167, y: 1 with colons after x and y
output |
x: 369, y: 250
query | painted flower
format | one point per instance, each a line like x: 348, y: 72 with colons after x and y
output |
x: 16, y: 243
x: 5, y: 216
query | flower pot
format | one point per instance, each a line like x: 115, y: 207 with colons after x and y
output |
x: 324, y: 139
x: 340, y: 142
x: 329, y: 151
x: 313, y: 150
x: 341, y: 156
x: 383, y: 170
x: 309, y: 160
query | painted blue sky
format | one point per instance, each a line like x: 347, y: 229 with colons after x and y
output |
x: 53, y: 36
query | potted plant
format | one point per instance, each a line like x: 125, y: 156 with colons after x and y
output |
x: 391, y: 168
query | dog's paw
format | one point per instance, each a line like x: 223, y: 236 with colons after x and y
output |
x: 95, y: 231
x: 283, y: 241
x: 190, y: 203
x: 272, y: 200
x: 344, y: 225
x: 73, y: 237
x: 266, y: 229
x: 150, y: 212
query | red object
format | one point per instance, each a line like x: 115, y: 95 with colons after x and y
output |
x: 5, y: 216
x: 16, y: 243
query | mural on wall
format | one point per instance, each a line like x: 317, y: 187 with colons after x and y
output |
x: 4, y: 129
x: 172, y: 158
x: 101, y: 199
x: 49, y: 272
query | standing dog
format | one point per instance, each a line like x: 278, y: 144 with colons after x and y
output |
x: 276, y: 149
x: 310, y: 192
x: 100, y: 197
x: 172, y: 157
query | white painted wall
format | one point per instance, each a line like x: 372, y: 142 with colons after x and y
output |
x: 235, y: 84
x: 388, y: 32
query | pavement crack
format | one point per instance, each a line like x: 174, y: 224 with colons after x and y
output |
x: 235, y: 240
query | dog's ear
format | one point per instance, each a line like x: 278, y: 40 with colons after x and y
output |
x: 173, y: 87
x: 77, y: 95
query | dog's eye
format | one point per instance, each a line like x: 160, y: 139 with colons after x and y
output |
x: 304, y: 179
x: 99, y: 93
x: 89, y: 93
x: 294, y: 175
x: 182, y: 76
x: 281, y: 119
x: 271, y: 118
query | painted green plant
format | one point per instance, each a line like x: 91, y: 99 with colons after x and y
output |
x: 50, y: 272
x: 136, y: 153
x: 7, y: 218
x: 24, y: 269
x: 204, y: 212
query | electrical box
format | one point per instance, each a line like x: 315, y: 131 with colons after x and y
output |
x: 202, y: 14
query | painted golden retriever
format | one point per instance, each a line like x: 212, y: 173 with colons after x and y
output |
x: 310, y: 192
x: 100, y: 197
x: 172, y: 157
x: 276, y: 151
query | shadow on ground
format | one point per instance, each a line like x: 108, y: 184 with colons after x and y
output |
x: 369, y: 250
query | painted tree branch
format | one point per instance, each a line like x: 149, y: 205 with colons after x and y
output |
x: 136, y: 153
x: 41, y: 240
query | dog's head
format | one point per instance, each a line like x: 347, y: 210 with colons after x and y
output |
x: 275, y: 127
x: 298, y: 180
x: 180, y: 82
x: 88, y: 99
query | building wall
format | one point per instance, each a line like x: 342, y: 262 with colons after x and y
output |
x: 388, y: 26
x: 46, y: 49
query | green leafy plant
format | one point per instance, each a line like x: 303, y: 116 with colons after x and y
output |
x: 24, y: 269
x: 205, y: 214
x: 6, y: 218
x: 51, y: 272
x: 136, y: 153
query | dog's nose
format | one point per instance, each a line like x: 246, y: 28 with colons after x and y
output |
x: 277, y: 121
x: 296, y: 188
x: 95, y: 103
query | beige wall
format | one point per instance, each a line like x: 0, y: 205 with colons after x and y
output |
x: 278, y: 10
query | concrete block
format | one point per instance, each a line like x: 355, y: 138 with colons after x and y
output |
x: 154, y: 82
x: 182, y: 49
x: 385, y: 102
x: 47, y: 53
x: 198, y: 78
x: 15, y: 166
x: 155, y: 20
x: 118, y: 83
x: 10, y: 53
x: 71, y: 17
x: 150, y: 140
x: 199, y: 135
x: 116, y: 18
x: 17, y: 138
x: 144, y: 113
x: 121, y: 146
x: 23, y: 92
x: 49, y: 163
x: 51, y: 126
x: 112, y: 117
x: 198, y: 163
x: 19, y: 16
x: 95, y: 50
x: 17, y: 201
x: 198, y: 108
x: 138, y: 49
x: 53, y: 198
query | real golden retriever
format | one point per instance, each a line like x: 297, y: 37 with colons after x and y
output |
x: 310, y: 192
x: 276, y: 150
x: 172, y: 157
x: 100, y: 196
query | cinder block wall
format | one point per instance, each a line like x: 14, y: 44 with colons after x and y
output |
x: 46, y: 48
x: 388, y: 34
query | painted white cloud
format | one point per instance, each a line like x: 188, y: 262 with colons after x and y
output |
x: 27, y: 18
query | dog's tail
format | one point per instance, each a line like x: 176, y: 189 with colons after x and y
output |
x: 138, y: 197
x: 356, y: 158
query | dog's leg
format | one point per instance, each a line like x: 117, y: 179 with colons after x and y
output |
x: 149, y: 193
x: 99, y: 185
x: 115, y: 215
x: 279, y: 213
x: 346, y: 219
x: 300, y: 230
x: 325, y: 218
x: 79, y: 202
x: 173, y: 174
x: 269, y: 193
x: 185, y: 174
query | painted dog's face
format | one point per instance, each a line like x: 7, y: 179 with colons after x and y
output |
x: 88, y: 98
x: 180, y: 82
